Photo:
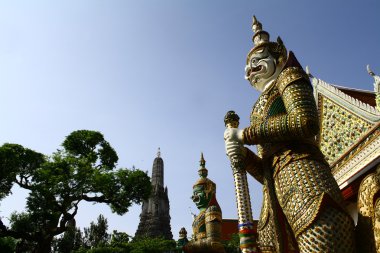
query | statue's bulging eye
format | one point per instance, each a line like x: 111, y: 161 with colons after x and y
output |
x: 254, y: 62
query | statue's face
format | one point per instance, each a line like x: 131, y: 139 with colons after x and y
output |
x: 199, y: 197
x: 261, y: 69
x: 182, y: 233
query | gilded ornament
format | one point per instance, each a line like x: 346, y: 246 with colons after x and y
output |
x: 347, y: 129
x: 369, y: 213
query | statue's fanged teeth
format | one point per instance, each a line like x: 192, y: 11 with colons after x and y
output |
x: 256, y: 69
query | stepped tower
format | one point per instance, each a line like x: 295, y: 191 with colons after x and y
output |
x: 154, y: 217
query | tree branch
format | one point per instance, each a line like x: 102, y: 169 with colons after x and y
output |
x: 23, y: 185
x: 66, y: 217
x: 100, y: 199
x: 4, y: 232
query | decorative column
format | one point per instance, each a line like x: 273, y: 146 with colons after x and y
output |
x: 243, y: 200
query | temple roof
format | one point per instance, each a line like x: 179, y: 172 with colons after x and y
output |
x: 350, y: 129
x: 365, y: 96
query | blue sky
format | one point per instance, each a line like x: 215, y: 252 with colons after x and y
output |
x: 151, y: 74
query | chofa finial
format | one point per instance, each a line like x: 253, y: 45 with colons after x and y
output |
x: 376, y: 86
x: 370, y: 72
x: 308, y: 71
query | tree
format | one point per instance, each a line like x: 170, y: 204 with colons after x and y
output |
x: 119, y: 238
x: 83, y: 170
x: 70, y: 241
x: 232, y: 245
x: 96, y: 235
x: 152, y: 245
x: 7, y: 244
x: 140, y: 245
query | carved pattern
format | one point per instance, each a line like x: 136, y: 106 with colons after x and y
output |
x: 347, y: 129
x: 331, y: 228
x: 301, y: 187
x: 353, y: 101
x: 376, y: 225
x: 360, y: 156
x: 368, y: 188
x: 288, y: 76
x: 368, y: 219
x: 213, y: 215
x: 199, y: 225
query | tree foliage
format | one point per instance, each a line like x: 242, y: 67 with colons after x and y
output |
x: 152, y: 245
x: 96, y: 235
x: 70, y: 241
x: 142, y: 245
x: 119, y: 238
x: 7, y: 245
x: 16, y: 166
x: 96, y: 239
x: 232, y: 245
x: 83, y: 170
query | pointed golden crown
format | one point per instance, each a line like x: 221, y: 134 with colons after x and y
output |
x: 261, y: 39
x: 260, y: 36
x: 203, y: 172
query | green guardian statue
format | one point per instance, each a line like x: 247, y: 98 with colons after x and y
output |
x: 207, y: 225
x: 182, y: 240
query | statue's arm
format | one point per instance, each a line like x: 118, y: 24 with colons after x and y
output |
x: 212, y: 242
x: 253, y: 165
x: 299, y: 122
x: 213, y: 220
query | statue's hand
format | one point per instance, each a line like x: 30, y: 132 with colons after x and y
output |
x: 233, y: 134
x: 233, y: 139
x: 235, y: 150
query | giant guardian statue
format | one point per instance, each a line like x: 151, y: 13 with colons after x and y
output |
x: 303, y: 208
